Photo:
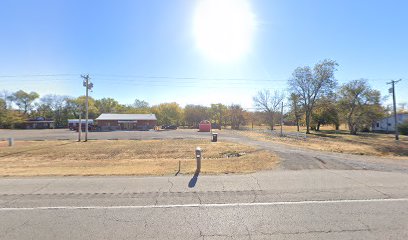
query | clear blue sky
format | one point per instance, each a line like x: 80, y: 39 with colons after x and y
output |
x: 120, y: 43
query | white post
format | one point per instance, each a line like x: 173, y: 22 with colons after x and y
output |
x: 10, y: 142
x: 198, y: 158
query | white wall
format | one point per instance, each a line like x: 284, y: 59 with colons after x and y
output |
x: 387, y: 124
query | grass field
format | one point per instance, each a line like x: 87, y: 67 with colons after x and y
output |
x: 128, y: 157
x: 374, y: 144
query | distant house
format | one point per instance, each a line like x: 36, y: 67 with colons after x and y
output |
x: 112, y: 122
x: 39, y: 123
x: 387, y: 124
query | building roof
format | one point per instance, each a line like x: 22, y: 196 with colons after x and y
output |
x: 40, y: 120
x: 126, y: 117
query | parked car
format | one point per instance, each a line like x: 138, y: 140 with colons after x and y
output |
x: 173, y: 127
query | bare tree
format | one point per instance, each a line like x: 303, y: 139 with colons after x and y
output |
x: 311, y: 84
x: 6, y: 96
x: 269, y: 103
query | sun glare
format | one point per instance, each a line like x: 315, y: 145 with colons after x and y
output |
x: 223, y: 29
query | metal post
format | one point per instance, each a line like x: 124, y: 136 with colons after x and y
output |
x: 10, y: 142
x: 198, y: 158
x: 79, y: 127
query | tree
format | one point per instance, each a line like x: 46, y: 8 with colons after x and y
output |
x: 296, y: 111
x: 79, y: 104
x: 53, y: 106
x: 7, y: 99
x: 218, y: 113
x: 311, y: 84
x: 403, y: 128
x: 402, y: 108
x: 168, y: 113
x: 194, y: 114
x: 107, y: 105
x: 236, y: 114
x: 8, y: 117
x: 140, y: 104
x: 24, y: 100
x: 269, y: 103
x: 360, y: 104
x: 326, y: 112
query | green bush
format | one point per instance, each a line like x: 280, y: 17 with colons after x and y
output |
x: 403, y: 128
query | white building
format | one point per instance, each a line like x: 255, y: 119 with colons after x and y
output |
x: 387, y: 124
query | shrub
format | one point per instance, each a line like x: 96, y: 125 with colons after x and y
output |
x: 403, y: 128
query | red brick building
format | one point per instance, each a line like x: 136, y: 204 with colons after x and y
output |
x: 113, y: 121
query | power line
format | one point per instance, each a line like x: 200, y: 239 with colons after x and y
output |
x: 139, y: 77
x: 37, y: 75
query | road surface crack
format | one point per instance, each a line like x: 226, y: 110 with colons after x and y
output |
x: 158, y: 196
x: 171, y: 184
x: 371, y: 187
x: 313, y: 231
x: 199, y: 198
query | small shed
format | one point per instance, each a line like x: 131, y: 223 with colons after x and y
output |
x: 204, y: 126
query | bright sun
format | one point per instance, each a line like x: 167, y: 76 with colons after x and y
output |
x: 224, y: 29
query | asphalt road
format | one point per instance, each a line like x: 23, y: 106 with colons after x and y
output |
x: 308, y: 204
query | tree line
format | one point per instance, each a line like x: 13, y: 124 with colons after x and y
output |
x: 313, y: 98
x: 18, y: 107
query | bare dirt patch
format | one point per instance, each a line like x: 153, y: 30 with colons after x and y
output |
x: 128, y: 157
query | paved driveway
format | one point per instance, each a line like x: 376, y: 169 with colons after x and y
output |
x: 64, y: 134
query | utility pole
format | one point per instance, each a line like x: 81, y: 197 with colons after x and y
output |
x: 392, y: 90
x: 88, y: 86
x: 281, y: 123
x: 79, y: 127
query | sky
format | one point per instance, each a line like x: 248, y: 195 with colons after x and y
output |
x: 197, y: 51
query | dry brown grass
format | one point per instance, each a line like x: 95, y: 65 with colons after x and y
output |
x: 372, y: 144
x: 294, y: 128
x: 127, y: 157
